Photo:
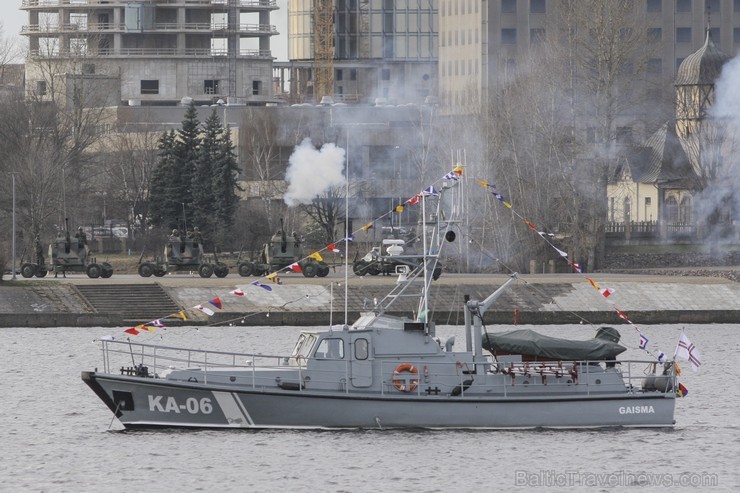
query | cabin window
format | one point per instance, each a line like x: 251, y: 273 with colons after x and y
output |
x: 361, y: 349
x: 303, y: 346
x: 330, y: 348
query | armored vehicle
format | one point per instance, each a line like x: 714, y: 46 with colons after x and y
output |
x: 66, y: 255
x: 183, y: 254
x: 280, y: 253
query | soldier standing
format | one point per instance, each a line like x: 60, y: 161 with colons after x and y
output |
x: 81, y: 237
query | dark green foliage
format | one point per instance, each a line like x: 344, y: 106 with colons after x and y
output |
x: 195, y: 179
x: 164, y: 204
x: 186, y: 157
x: 204, y: 196
x: 225, y: 170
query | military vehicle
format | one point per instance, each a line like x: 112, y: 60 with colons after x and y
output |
x: 182, y: 254
x: 67, y: 255
x: 280, y: 253
x: 399, y: 248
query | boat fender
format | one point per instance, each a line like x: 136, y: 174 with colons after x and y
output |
x: 401, y: 383
x: 290, y: 386
x: 460, y: 388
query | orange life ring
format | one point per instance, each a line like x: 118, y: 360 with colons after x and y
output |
x: 400, y: 383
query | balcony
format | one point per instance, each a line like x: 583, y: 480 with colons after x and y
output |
x: 246, y: 4
x: 171, y: 27
x: 153, y: 53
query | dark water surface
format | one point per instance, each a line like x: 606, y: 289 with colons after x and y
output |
x: 55, y: 433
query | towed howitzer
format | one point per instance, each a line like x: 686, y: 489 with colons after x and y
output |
x: 280, y: 253
x: 66, y: 255
x: 182, y: 254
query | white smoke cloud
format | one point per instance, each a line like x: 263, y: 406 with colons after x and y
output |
x: 311, y: 172
x: 727, y: 92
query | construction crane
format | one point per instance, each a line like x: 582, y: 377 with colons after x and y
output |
x: 323, y: 53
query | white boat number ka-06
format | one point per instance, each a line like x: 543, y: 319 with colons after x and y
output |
x: 170, y: 405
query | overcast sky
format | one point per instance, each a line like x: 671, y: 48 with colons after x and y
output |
x: 14, y: 18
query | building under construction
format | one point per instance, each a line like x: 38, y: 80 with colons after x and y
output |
x: 152, y: 52
x: 361, y: 51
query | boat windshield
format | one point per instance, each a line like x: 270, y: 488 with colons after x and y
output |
x: 303, y: 346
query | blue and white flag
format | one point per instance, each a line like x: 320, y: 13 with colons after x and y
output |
x: 430, y: 191
x: 643, y: 341
x: 260, y: 285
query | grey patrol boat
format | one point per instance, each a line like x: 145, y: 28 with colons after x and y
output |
x: 386, y: 371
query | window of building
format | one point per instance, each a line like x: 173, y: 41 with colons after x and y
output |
x: 648, y: 201
x: 149, y: 87
x: 736, y: 6
x: 626, y: 209
x: 684, y: 211
x: 671, y: 210
x: 508, y: 6
x: 711, y: 6
x: 736, y: 35
x: 683, y: 5
x: 256, y: 87
x: 385, y: 74
x: 340, y: 74
x: 508, y: 36
x: 537, y: 6
x: 654, y: 5
x: 655, y: 66
x: 683, y: 35
x: 714, y: 34
x: 41, y: 88
x: 654, y: 34
x: 353, y: 74
x: 88, y: 68
x: 537, y: 36
x: 679, y: 61
x: 210, y: 86
x: 624, y: 135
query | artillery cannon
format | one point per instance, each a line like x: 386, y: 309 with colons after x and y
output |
x: 280, y: 253
x: 183, y: 254
x: 399, y: 250
x: 66, y: 255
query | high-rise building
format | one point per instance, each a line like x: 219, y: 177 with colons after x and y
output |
x: 153, y: 52
x: 381, y: 49
x: 480, y: 41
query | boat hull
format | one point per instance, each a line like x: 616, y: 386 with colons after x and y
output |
x: 146, y: 403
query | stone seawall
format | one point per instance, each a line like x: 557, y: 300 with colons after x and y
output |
x: 544, y: 299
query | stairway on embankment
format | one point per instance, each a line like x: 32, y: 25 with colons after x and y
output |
x: 137, y: 302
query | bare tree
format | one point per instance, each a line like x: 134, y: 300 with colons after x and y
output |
x: 131, y: 157
x: 257, y: 135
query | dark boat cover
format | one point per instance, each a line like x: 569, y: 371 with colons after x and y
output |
x: 533, y: 344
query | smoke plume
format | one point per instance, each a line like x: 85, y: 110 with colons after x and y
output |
x: 311, y: 172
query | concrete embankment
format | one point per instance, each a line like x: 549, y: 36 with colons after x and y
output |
x: 534, y: 299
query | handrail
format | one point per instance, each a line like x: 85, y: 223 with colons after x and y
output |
x: 260, y: 4
x: 202, y: 362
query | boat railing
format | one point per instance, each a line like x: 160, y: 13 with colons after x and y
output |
x: 636, y: 376
x: 420, y: 377
x: 130, y: 356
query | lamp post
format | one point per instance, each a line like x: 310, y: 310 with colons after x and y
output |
x: 13, y: 175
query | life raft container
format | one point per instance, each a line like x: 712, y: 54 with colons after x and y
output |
x: 401, y: 381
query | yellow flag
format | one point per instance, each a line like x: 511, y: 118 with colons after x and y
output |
x: 483, y: 184
x: 317, y: 256
x: 367, y: 226
x: 399, y: 208
x: 458, y: 169
x: 180, y: 314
